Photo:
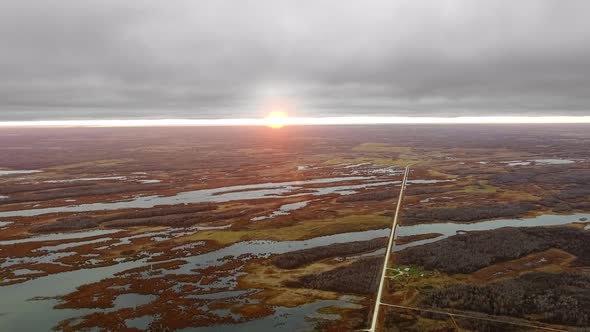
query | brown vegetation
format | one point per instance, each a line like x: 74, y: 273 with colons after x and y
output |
x: 466, y: 213
x: 555, y: 258
x: 553, y: 298
x: 466, y: 253
x: 299, y: 258
x: 178, y: 213
x: 368, y: 196
x: 360, y: 277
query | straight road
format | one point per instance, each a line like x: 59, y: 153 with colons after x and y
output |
x: 388, y: 252
x: 378, y: 302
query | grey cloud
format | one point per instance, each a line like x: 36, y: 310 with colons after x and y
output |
x: 204, y: 59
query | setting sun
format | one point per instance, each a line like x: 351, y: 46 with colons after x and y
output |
x: 276, y: 119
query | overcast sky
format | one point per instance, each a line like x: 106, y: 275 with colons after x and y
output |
x: 80, y: 59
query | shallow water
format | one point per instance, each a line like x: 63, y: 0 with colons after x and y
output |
x: 517, y: 163
x: 220, y: 295
x: 17, y: 172
x: 226, y: 194
x: 17, y: 310
x: 283, y: 210
x: 50, y: 258
x: 127, y: 239
x: 24, y: 272
x: 553, y: 161
x: 353, y: 165
x: 264, y: 248
x: 538, y: 162
x: 223, y: 194
x: 141, y: 323
x: 63, y: 246
x: 189, y: 246
x: 14, y: 298
x: 385, y: 171
x: 118, y: 178
x: 132, y: 300
x: 299, y: 318
x: 61, y: 236
x: 147, y: 181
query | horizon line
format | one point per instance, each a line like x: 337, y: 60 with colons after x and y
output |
x: 299, y: 121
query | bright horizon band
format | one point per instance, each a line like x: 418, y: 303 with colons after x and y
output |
x: 295, y: 121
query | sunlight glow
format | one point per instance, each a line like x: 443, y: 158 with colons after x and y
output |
x: 280, y: 120
x: 276, y: 119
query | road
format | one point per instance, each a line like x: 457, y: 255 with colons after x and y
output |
x: 390, y: 245
x: 388, y: 252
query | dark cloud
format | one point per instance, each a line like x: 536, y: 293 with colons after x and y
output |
x: 203, y: 59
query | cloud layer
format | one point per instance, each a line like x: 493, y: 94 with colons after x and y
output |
x: 73, y: 59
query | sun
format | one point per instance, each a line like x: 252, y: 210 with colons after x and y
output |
x: 276, y: 119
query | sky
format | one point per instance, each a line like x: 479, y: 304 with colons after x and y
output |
x: 210, y: 59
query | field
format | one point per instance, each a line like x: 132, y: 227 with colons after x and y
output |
x: 256, y: 229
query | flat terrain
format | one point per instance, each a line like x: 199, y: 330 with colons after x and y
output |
x: 259, y: 229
